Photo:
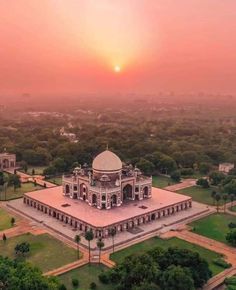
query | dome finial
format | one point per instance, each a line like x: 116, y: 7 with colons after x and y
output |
x: 107, y: 147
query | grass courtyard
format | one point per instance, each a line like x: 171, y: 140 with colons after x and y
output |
x: 46, y: 252
x: 162, y: 181
x: 86, y: 275
x: 38, y: 170
x: 13, y: 194
x: 200, y: 194
x: 5, y: 220
x: 173, y: 242
x: 56, y: 180
x: 214, y: 226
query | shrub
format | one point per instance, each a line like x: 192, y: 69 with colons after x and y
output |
x: 62, y: 287
x: 230, y: 280
x: 93, y: 286
x: 232, y: 225
x: 75, y: 282
x: 222, y: 263
x: 104, y: 278
x: 186, y: 171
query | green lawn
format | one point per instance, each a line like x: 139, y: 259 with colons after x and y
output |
x: 173, y: 242
x: 162, y: 181
x: 5, y: 220
x: 233, y: 208
x: 37, y: 169
x: 12, y: 194
x: 55, y: 180
x: 46, y: 252
x: 86, y: 275
x: 200, y: 194
x: 214, y: 226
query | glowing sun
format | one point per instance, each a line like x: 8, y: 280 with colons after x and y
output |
x: 117, y: 68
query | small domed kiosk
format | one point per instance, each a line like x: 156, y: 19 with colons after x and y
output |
x: 107, y: 184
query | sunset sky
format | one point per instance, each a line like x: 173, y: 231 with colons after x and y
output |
x: 108, y: 46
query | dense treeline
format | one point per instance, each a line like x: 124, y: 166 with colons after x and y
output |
x: 154, y: 143
x: 171, y: 269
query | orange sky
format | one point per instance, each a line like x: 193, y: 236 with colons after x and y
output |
x: 72, y: 46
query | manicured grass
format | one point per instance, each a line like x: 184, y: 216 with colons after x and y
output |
x: 173, y: 242
x: 233, y: 208
x: 55, y: 180
x: 37, y: 169
x: 86, y: 275
x: 5, y: 220
x: 214, y: 226
x: 200, y: 194
x: 46, y: 252
x: 162, y: 181
x: 12, y: 194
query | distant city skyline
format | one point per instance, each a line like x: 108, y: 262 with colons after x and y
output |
x: 106, y: 47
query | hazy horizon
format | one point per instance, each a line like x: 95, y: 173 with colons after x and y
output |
x: 78, y: 47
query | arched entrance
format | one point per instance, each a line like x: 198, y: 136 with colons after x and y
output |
x: 145, y: 191
x: 127, y: 192
x: 114, y: 200
x: 83, y: 191
x: 94, y: 199
x: 67, y: 189
x: 5, y: 163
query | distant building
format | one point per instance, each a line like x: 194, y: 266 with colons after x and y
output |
x: 70, y: 136
x: 225, y: 167
x: 7, y: 160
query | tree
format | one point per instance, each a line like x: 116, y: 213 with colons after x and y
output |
x: 204, y: 167
x: 230, y: 187
x: 14, y: 180
x: 232, y: 197
x: 145, y: 166
x: 50, y: 171
x: 216, y: 177
x: 100, y: 245
x: 75, y: 282
x: 4, y: 237
x: 203, y: 182
x: 93, y: 286
x: 175, y: 175
x: 89, y: 237
x: 167, y: 164
x: 13, y: 221
x: 189, y: 158
x: 176, y: 278
x: 113, y: 233
x: 217, y: 198
x: 77, y: 240
x: 18, y: 275
x: 213, y: 194
x: 22, y: 248
x: 225, y: 198
x: 33, y: 171
x: 231, y: 238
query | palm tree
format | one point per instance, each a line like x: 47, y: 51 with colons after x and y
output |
x: 217, y: 198
x: 100, y: 245
x: 89, y: 237
x: 77, y: 240
x: 232, y: 196
x: 113, y: 233
x: 213, y: 194
x: 225, y: 197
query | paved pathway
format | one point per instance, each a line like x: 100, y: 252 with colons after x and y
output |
x: 39, y: 179
x: 184, y: 184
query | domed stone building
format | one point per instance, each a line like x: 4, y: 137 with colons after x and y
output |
x: 108, y: 183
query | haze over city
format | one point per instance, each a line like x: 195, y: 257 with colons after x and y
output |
x: 51, y: 48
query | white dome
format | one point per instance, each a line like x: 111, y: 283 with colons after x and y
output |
x: 107, y: 161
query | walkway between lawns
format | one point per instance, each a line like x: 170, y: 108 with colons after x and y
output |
x: 184, y: 184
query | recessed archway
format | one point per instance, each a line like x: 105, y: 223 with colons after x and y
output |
x: 114, y: 200
x: 94, y: 199
x: 145, y: 191
x: 127, y: 192
x: 67, y: 188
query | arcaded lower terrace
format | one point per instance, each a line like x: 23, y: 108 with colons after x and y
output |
x: 83, y: 217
